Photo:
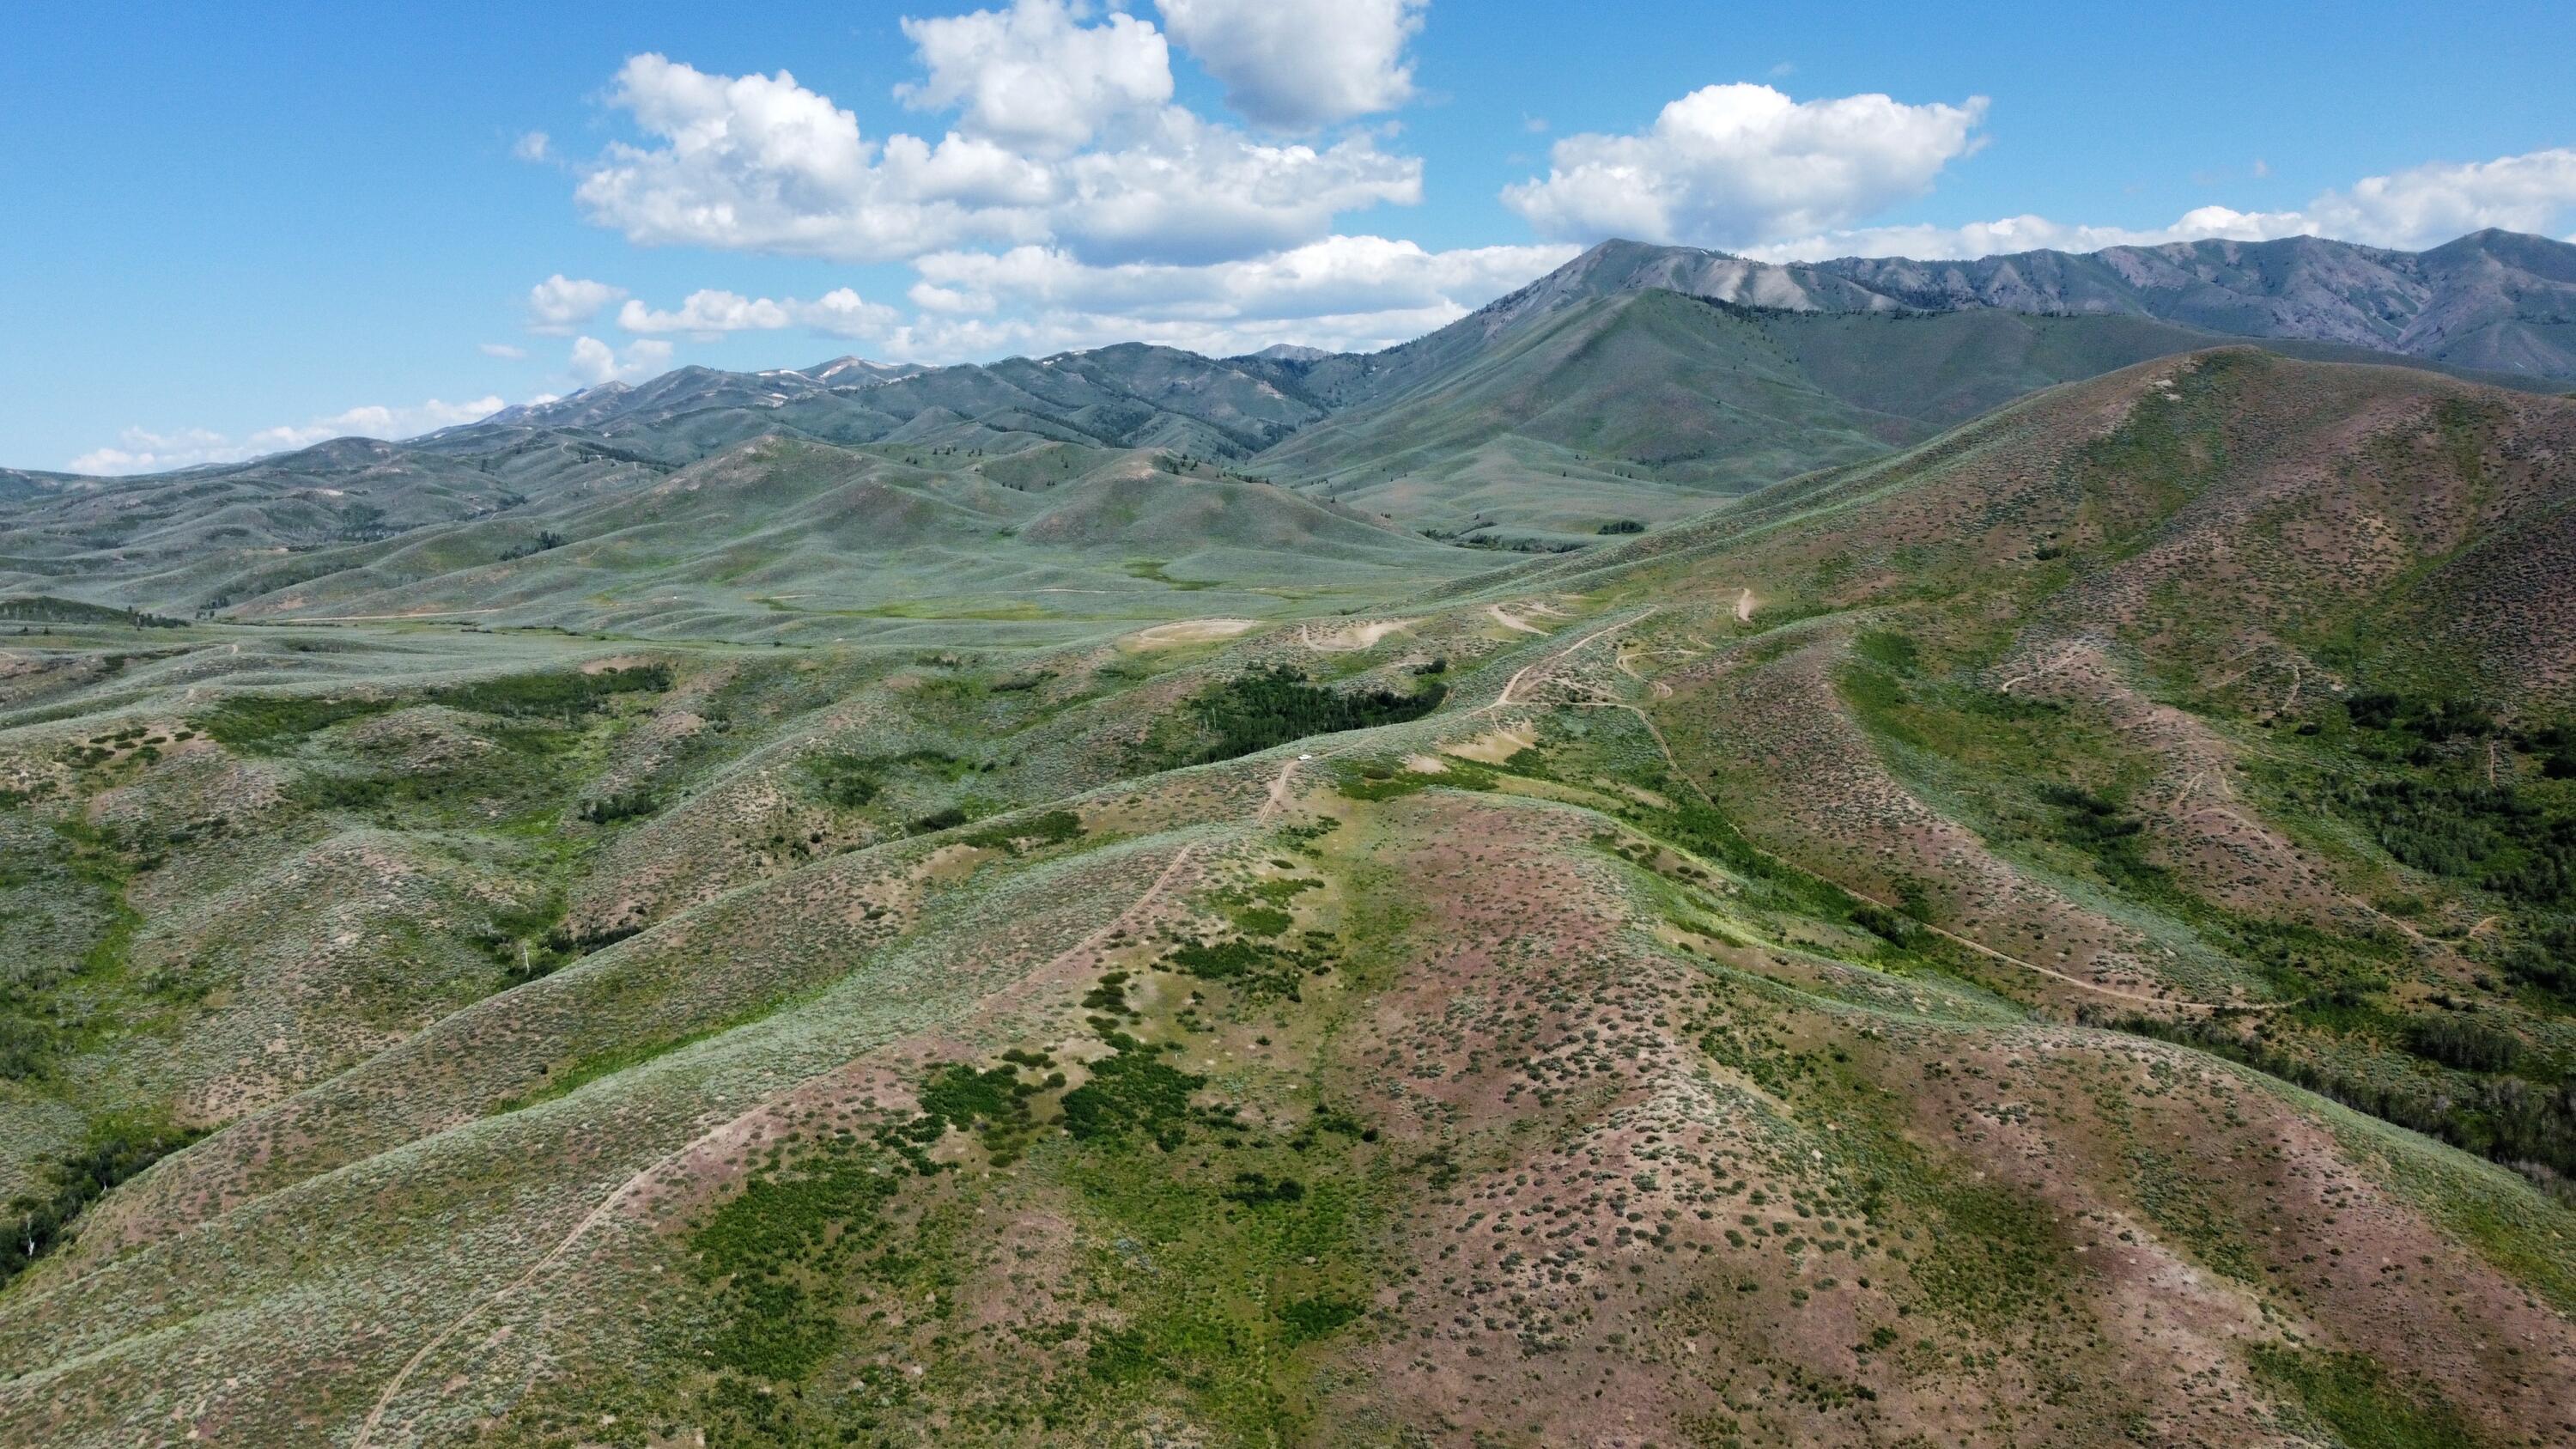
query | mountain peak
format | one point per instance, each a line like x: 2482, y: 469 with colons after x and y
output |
x: 1620, y: 265
x: 846, y: 371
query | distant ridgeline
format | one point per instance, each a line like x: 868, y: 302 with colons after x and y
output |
x: 45, y: 609
x: 1633, y: 386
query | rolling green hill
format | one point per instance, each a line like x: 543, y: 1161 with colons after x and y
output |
x: 1644, y: 404
x: 2039, y: 908
x: 795, y: 540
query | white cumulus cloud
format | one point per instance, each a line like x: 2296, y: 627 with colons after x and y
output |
x: 1031, y: 77
x: 759, y: 163
x: 710, y: 314
x: 1194, y: 191
x: 595, y: 362
x: 841, y: 312
x: 1343, y: 292
x: 560, y: 306
x: 1064, y: 137
x: 2423, y: 206
x: 1294, y: 64
x: 2005, y: 235
x: 1058, y: 195
x: 142, y: 450
x: 706, y: 315
x: 2429, y: 204
x: 1737, y: 165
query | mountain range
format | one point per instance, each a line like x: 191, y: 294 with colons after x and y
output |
x: 1668, y: 376
x: 2491, y: 301
x: 1710, y: 855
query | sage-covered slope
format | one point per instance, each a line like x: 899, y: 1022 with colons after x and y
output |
x: 1644, y: 404
x: 2058, y: 933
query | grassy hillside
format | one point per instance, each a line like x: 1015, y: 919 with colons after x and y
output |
x: 792, y: 540
x: 1646, y: 404
x: 2053, y: 933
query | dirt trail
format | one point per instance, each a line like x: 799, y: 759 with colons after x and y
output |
x: 1278, y: 799
x: 1351, y: 637
x: 2051, y: 667
x: 1275, y: 800
x: 626, y: 1190
x: 384, y: 1401
x: 1510, y: 622
x: 1192, y: 631
x: 382, y: 618
x: 1744, y: 607
x: 2078, y: 982
x: 1509, y: 685
x: 1624, y: 666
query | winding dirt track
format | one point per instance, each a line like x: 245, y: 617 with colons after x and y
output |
x: 626, y: 1190
x: 1279, y: 787
x: 384, y: 618
x: 1275, y: 800
x: 2079, y: 983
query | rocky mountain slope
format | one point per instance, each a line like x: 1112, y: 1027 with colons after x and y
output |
x: 2492, y: 301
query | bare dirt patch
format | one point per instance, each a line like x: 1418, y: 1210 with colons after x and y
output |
x: 1190, y: 631
x: 1354, y: 636
x: 1495, y: 746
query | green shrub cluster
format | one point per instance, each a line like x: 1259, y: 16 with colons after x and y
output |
x: 1261, y: 972
x: 841, y: 780
x: 2548, y: 960
x: 1889, y: 649
x: 2434, y: 721
x: 2101, y: 829
x: 2463, y: 1043
x: 1055, y: 827
x: 39, y: 1221
x: 780, y: 1256
x: 2510, y: 1120
x: 619, y: 806
x: 1133, y: 1092
x: 993, y: 1103
x: 2495, y: 836
x: 46, y: 609
x: 260, y: 723
x: 533, y: 941
x: 846, y: 780
x: 2358, y: 1400
x: 1253, y: 712
x: 564, y: 696
x: 947, y: 818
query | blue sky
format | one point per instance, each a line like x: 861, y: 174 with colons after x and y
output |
x: 237, y: 229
